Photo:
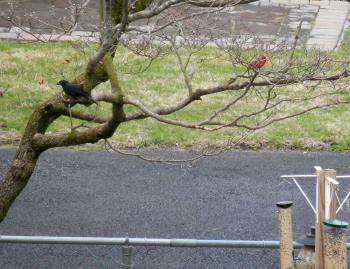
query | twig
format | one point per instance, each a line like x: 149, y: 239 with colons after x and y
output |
x: 188, y: 161
x: 70, y: 117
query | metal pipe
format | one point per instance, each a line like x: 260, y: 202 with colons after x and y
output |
x: 304, y: 194
x: 191, y: 243
x: 160, y: 242
x: 309, y: 176
x: 344, y: 201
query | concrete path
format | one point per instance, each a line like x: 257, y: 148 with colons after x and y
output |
x: 267, y: 21
x: 230, y: 196
x: 329, y: 25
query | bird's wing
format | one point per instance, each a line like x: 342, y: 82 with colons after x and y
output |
x: 252, y: 64
x: 77, y: 90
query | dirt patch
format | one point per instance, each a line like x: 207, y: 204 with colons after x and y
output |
x: 9, y: 138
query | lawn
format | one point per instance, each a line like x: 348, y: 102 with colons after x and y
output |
x: 29, y: 73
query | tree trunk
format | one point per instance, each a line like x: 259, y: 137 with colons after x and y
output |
x: 28, y: 153
x: 17, y: 177
x: 26, y: 156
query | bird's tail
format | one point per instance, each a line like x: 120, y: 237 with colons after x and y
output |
x: 92, y: 100
x: 89, y: 97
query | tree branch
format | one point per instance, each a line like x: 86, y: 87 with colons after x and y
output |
x: 83, y: 116
x: 231, y: 143
x: 156, y: 116
x: 218, y: 3
x: 198, y: 93
x: 266, y: 123
x: 148, y: 13
x: 43, y: 142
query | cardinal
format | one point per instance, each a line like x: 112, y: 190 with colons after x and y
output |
x: 253, y: 65
x: 257, y: 63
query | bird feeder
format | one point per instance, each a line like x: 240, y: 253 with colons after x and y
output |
x: 285, y: 234
x: 306, y: 257
x: 334, y: 236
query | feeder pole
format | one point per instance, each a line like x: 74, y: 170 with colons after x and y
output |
x: 335, y: 255
x: 320, y: 205
x: 285, y: 234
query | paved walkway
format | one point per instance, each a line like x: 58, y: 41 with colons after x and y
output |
x: 264, y: 22
x: 329, y: 24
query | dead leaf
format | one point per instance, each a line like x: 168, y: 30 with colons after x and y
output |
x: 42, y: 84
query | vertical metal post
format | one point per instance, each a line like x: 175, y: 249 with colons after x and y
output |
x: 285, y: 234
x: 127, y: 257
x: 335, y: 255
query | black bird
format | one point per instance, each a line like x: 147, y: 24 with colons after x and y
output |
x: 74, y: 90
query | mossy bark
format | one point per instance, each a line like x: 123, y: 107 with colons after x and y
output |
x: 116, y: 11
x: 35, y: 141
x: 28, y: 152
x: 25, y: 159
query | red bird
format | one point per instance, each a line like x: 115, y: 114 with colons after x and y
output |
x: 257, y: 63
x: 253, y: 65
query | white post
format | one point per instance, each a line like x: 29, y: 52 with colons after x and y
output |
x: 330, y: 186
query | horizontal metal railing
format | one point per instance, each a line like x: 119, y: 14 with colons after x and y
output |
x: 127, y: 243
x: 191, y: 243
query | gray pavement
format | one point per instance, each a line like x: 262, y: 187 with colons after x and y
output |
x: 230, y: 196
x: 329, y: 25
x: 268, y: 21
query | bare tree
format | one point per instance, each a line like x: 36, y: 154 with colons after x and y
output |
x: 317, y: 82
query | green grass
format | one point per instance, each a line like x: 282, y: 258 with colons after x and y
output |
x: 29, y: 72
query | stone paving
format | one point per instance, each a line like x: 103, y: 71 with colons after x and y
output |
x: 323, y: 22
x: 329, y: 25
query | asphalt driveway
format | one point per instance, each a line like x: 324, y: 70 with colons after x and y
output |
x: 230, y: 196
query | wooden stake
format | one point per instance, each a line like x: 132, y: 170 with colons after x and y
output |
x: 320, y: 203
x: 333, y: 206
